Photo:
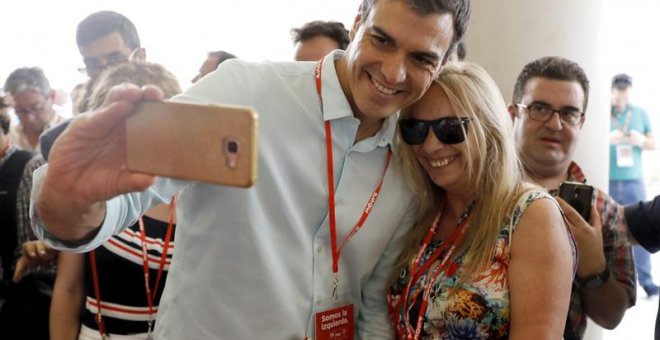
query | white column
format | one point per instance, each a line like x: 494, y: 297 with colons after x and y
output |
x: 504, y: 35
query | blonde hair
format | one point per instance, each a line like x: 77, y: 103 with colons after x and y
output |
x: 133, y: 72
x: 496, y: 174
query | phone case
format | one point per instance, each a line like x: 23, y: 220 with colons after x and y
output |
x: 579, y: 196
x: 207, y: 143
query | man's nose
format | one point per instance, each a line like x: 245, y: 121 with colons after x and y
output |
x: 394, y: 70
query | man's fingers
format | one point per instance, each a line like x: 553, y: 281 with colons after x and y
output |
x: 21, y: 267
x: 595, y: 218
x: 132, y: 94
x: 569, y: 211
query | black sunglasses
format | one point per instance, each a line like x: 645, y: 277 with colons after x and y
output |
x: 448, y: 129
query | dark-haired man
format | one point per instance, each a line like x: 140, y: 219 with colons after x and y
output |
x: 548, y: 105
x: 211, y: 63
x: 307, y: 251
x: 104, y: 39
x: 315, y: 39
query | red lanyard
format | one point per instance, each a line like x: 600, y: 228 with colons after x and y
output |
x: 336, y: 251
x: 416, y: 272
x: 145, y: 266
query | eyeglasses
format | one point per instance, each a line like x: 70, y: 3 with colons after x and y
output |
x: 449, y: 130
x: 544, y: 112
x: 94, y: 66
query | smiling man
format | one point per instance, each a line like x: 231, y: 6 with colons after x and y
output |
x: 272, y: 261
x: 549, y: 101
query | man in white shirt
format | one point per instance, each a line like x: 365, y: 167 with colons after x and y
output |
x: 259, y: 262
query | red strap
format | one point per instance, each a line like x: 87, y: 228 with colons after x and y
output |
x: 145, y: 266
x: 97, y: 293
x: 336, y: 250
x: 416, y: 272
x: 163, y: 258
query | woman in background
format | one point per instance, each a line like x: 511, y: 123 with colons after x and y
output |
x: 118, y: 285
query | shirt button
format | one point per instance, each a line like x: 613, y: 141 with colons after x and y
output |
x: 318, y: 248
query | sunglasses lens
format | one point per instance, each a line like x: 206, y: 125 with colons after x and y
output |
x: 413, y: 131
x: 449, y: 131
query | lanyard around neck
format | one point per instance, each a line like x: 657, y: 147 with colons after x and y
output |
x: 151, y: 294
x: 446, y: 265
x: 626, y: 123
x: 336, y: 250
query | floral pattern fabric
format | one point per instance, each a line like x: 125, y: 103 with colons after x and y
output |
x: 479, y: 308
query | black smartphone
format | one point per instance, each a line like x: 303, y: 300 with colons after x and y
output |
x: 578, y: 195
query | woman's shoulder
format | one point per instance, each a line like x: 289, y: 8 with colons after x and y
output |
x: 534, y: 201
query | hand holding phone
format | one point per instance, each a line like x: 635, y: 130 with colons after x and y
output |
x: 579, y: 196
x: 207, y: 143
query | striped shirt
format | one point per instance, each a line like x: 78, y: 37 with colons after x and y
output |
x: 121, y: 278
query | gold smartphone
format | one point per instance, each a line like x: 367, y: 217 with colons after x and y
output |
x: 206, y: 143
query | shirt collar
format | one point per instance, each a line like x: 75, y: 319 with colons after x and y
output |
x: 575, y: 173
x: 335, y: 104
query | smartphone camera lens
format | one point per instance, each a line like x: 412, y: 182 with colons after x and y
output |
x: 231, y: 152
x: 232, y: 147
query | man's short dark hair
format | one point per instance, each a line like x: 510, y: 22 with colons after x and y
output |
x: 621, y: 81
x: 461, y: 50
x: 102, y: 23
x: 222, y: 56
x: 459, y: 10
x: 555, y: 68
x: 330, y: 29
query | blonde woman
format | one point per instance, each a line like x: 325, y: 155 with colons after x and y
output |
x: 490, y: 255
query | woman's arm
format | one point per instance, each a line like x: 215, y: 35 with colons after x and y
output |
x: 68, y: 294
x: 540, y: 273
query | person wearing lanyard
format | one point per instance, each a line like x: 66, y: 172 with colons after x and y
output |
x: 630, y: 134
x: 308, y: 249
x: 490, y: 256
x: 119, y: 284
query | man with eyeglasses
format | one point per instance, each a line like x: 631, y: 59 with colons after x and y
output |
x: 105, y: 39
x: 33, y: 104
x: 26, y: 304
x: 549, y: 101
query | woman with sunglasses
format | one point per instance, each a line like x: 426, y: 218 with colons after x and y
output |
x: 490, y: 256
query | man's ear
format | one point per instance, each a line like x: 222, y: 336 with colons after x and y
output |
x: 139, y: 54
x: 356, y: 25
x: 512, y: 111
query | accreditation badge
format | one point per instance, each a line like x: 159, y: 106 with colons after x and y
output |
x: 624, y: 155
x: 335, y: 324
